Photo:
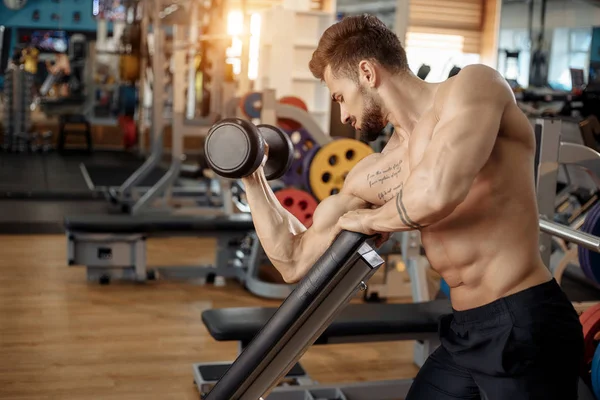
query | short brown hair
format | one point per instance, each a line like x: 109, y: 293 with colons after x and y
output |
x: 361, y: 37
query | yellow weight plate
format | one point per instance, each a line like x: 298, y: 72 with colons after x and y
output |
x: 332, y: 163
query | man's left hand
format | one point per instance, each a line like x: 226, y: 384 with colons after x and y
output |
x: 360, y: 221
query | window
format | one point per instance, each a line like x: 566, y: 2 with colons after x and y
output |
x: 514, y: 40
x: 570, y: 49
x: 235, y: 28
x: 441, y: 52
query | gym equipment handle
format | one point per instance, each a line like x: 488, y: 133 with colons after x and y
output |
x: 564, y: 232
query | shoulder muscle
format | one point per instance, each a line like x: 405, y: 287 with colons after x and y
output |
x: 476, y: 84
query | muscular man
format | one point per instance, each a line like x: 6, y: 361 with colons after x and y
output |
x: 459, y: 168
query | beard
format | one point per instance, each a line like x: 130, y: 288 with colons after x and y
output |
x: 372, y: 118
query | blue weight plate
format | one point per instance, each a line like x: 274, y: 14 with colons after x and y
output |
x: 252, y: 104
x: 582, y: 253
x: 595, y: 378
x: 593, y: 257
x: 587, y: 258
x: 303, y: 143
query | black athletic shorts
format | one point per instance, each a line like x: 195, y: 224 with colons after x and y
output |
x: 528, y: 345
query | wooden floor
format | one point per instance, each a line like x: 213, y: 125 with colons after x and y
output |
x: 64, y: 338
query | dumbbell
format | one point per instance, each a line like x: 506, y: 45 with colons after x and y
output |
x: 235, y: 148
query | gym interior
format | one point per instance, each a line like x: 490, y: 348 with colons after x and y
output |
x: 130, y: 266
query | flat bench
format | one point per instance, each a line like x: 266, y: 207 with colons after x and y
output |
x: 114, y: 246
x: 151, y: 225
x: 357, y: 322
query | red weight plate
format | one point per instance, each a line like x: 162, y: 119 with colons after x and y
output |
x: 590, y: 320
x: 288, y: 124
x: 299, y: 203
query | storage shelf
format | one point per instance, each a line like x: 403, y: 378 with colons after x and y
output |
x: 284, y: 58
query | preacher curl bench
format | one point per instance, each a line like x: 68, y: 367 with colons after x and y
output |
x: 273, y: 340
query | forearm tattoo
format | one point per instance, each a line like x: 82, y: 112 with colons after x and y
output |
x: 403, y: 214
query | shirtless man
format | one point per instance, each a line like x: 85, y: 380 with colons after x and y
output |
x: 459, y: 168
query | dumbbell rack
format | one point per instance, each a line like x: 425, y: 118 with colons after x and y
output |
x: 17, y: 113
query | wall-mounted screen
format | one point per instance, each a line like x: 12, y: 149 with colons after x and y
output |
x: 50, y: 41
x: 110, y: 10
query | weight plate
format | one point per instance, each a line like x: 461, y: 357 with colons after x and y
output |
x: 590, y: 320
x: 595, y: 377
x: 588, y: 258
x: 332, y: 163
x: 306, y: 161
x: 251, y: 104
x: 289, y: 124
x: 303, y: 143
x: 582, y: 253
x: 299, y: 203
x: 594, y: 258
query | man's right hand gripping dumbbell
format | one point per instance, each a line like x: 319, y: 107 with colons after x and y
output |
x: 236, y: 149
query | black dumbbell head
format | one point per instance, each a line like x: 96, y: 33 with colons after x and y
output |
x: 234, y: 148
x: 281, y: 151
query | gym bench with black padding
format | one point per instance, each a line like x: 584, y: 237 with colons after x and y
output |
x: 357, y: 323
x: 303, y: 319
x: 114, y: 246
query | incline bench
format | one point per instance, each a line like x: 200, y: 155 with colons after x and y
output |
x: 114, y: 247
x: 316, y: 311
x: 357, y: 323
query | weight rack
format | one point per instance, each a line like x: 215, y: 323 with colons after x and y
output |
x: 17, y: 113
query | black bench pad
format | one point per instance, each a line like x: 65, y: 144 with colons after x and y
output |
x: 123, y: 223
x: 243, y: 323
